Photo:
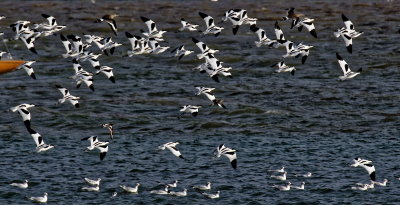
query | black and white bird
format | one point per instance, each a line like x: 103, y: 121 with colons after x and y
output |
x: 50, y: 25
x: 207, y: 92
x: 171, y: 146
x: 301, y: 187
x: 262, y: 37
x: 96, y: 144
x: 108, y: 71
x: 217, y: 68
x: 134, y: 189
x: 296, y: 51
x: 39, y: 199
x: 109, y: 126
x: 110, y: 20
x: 211, y: 27
x: 67, y: 96
x: 91, y: 188
x: 82, y: 76
x: 347, y: 33
x: 155, y: 46
x: 173, y: 184
x: 282, y: 67
x: 192, y: 109
x: 280, y: 177
x: 22, y: 185
x: 347, y: 73
x: 153, y: 32
x: 162, y: 191
x: 238, y: 17
x: 292, y: 15
x: 308, y: 24
x: 94, y: 182
x: 203, y: 187
x: 204, y: 49
x: 227, y: 152
x: 360, y: 188
x: 283, y: 188
x: 188, y: 26
x: 106, y: 45
x: 25, y: 114
x: 212, y: 196
x: 27, y: 66
x: 381, y: 183
x: 40, y: 145
x: 180, y: 51
x: 367, y: 165
x: 178, y: 193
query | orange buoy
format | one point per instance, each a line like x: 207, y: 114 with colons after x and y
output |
x: 9, y: 65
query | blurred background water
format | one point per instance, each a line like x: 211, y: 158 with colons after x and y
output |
x: 309, y: 122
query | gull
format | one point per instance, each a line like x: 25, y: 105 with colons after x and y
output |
x: 173, y: 184
x: 192, y: 109
x: 68, y: 97
x: 205, y: 50
x: 282, y: 67
x: 187, y: 26
x: 96, y: 144
x: 114, y: 194
x: 381, y: 183
x: 227, y: 152
x: 162, y: 191
x: 181, y: 51
x: 82, y: 76
x: 27, y: 66
x: 367, y: 165
x: 108, y: 72
x: 309, y: 174
x: 207, y: 92
x: 212, y: 196
x: 203, y: 187
x: 171, y: 147
x: 130, y: 189
x: 281, y: 170
x: 40, y: 145
x: 301, y: 187
x: 361, y: 188
x: 94, y: 182
x: 95, y: 188
x: 291, y: 15
x: 152, y: 29
x: 283, y: 188
x: 263, y: 39
x: 178, y: 193
x: 25, y: 114
x: 23, y: 185
x: 347, y: 73
x: 369, y: 186
x: 347, y: 33
x: 211, y: 27
x: 109, y: 19
x: 109, y: 126
x: 279, y: 177
x: 39, y: 199
x: 308, y: 24
x: 155, y: 47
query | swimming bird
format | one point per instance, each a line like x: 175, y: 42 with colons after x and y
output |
x: 25, y: 114
x: 211, y: 27
x: 162, y: 191
x: 347, y: 73
x: 282, y: 67
x: 23, y: 185
x: 212, y: 196
x: 39, y: 199
x: 110, y: 20
x: 152, y: 29
x: 301, y: 187
x: 94, y: 182
x: 180, y: 51
x: 114, y: 194
x: 178, y: 193
x: 309, y: 174
x: 203, y: 187
x: 347, y: 33
x: 205, y: 50
x: 108, y: 71
x: 96, y: 144
x: 40, y: 145
x: 68, y: 97
x: 369, y: 186
x: 95, y: 188
x: 262, y: 37
x: 227, y: 152
x: 381, y: 183
x: 281, y: 170
x: 360, y: 188
x: 192, y: 109
x: 367, y: 165
x: 207, y: 92
x: 109, y: 126
x: 283, y: 188
x: 171, y: 146
x: 187, y: 26
x: 130, y: 189
x: 173, y: 184
x: 308, y: 24
x: 280, y: 177
x: 27, y: 66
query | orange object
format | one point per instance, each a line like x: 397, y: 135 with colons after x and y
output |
x: 9, y: 65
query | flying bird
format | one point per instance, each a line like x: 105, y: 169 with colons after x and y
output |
x: 227, y: 152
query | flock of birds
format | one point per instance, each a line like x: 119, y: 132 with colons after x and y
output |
x: 149, y: 43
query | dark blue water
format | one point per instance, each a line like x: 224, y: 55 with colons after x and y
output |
x: 310, y: 122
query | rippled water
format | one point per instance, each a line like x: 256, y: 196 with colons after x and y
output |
x: 307, y: 122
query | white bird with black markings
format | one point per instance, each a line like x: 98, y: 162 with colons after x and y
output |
x: 367, y: 165
x: 173, y: 184
x: 77, y: 44
x: 90, y: 188
x: 108, y: 71
x: 135, y: 44
x: 217, y: 68
x: 301, y: 187
x: 181, y: 51
x: 212, y: 196
x: 281, y: 170
x: 39, y: 199
x: 171, y: 146
x: 308, y: 24
x: 110, y: 20
x: 262, y: 37
x: 40, y: 145
x: 50, y: 25
x: 25, y: 114
x: 22, y: 185
x: 283, y: 188
x: 192, y: 109
x: 96, y: 144
x: 129, y: 189
x: 211, y: 27
x: 161, y: 192
x: 280, y: 177
x: 155, y: 46
x: 106, y: 45
x: 82, y: 76
x: 239, y: 17
x: 152, y: 29
x: 178, y: 193
x: 203, y: 187
x: 347, y: 33
x: 67, y: 97
x: 27, y: 66
x: 187, y: 26
x: 207, y: 92
x: 109, y: 126
x: 227, y: 152
x: 282, y: 67
x: 347, y: 73
x: 94, y: 182
x: 204, y: 49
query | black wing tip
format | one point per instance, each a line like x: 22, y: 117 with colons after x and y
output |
x: 85, y: 138
x: 360, y: 70
x: 215, y: 78
x: 235, y: 30
x: 102, y: 155
x: 373, y: 176
x: 234, y: 163
x: 76, y: 105
x: 33, y: 50
x: 194, y: 114
x: 63, y: 38
x: 45, y: 15
x: 314, y: 33
x: 182, y: 19
x: 292, y: 72
x: 91, y: 87
x: 74, y: 61
x: 112, y: 79
x: 344, y: 18
x: 202, y: 15
x: 217, y: 34
x: 59, y: 86
x: 350, y: 48
x: 303, y: 59
x: 195, y: 40
x: 128, y: 35
x: 253, y: 28
x: 33, y: 76
x: 180, y: 156
x: 144, y: 19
